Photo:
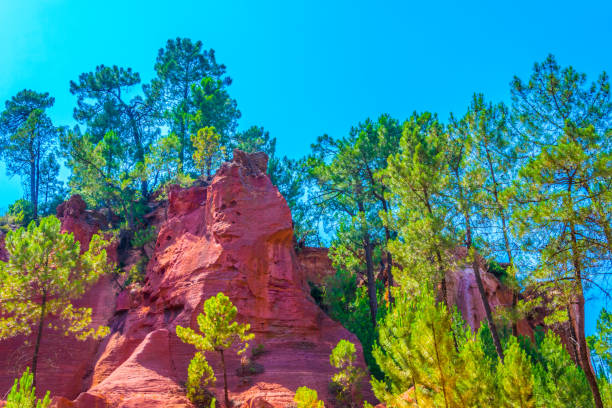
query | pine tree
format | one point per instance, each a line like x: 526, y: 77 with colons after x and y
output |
x: 416, y: 177
x: 44, y: 274
x: 558, y: 383
x: 23, y: 394
x: 564, y: 184
x: 493, y: 149
x: 216, y: 109
x: 103, y: 106
x: 341, y: 193
x: 27, y: 138
x: 307, y: 398
x: 179, y: 66
x: 206, y: 144
x: 219, y: 333
x: 421, y: 363
x: 102, y: 173
x: 515, y: 378
x: 601, y: 343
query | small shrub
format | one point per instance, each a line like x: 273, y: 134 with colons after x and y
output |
x: 257, y: 351
x: 144, y: 236
x: 345, y: 383
x: 23, y: 394
x: 137, y: 272
x: 307, y: 398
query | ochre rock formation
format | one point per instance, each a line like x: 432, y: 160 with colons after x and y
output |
x: 232, y: 235
x: 315, y: 264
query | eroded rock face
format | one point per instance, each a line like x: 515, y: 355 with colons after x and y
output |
x: 65, y: 364
x: 462, y: 291
x: 233, y: 236
x: 315, y: 264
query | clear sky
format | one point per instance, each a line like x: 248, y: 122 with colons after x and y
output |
x: 304, y: 68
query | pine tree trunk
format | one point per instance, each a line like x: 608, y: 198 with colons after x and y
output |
x: 367, y: 246
x: 573, y: 338
x: 441, y: 269
x: 227, y: 401
x: 483, y: 294
x: 581, y: 337
x: 505, y: 234
x: 371, y: 280
x: 33, y: 187
x: 389, y: 265
x: 38, y: 337
x: 182, y: 138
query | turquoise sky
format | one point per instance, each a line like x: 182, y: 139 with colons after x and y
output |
x: 304, y: 68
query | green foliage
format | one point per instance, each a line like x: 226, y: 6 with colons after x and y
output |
x: 417, y: 178
x: 563, y: 186
x: 307, y: 398
x: 102, y: 106
x: 199, y: 376
x: 497, y: 269
x: 347, y: 379
x: 20, y: 212
x: 206, y: 144
x: 162, y: 162
x: 515, y: 378
x: 137, y: 272
x: 180, y: 67
x: 43, y: 276
x: 258, y: 350
x: 103, y: 173
x: 429, y: 359
x: 347, y: 303
x: 219, y: 333
x: 558, y: 382
x: 144, y: 236
x: 255, y: 139
x: 601, y: 343
x: 27, y: 141
x: 23, y: 394
x: 350, y: 192
x: 291, y: 178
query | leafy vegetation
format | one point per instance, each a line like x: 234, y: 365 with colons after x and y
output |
x: 346, y: 382
x: 23, y: 394
x: 45, y: 273
x: 521, y: 190
x: 219, y: 333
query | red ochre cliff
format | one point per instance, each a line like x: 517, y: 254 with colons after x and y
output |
x: 234, y: 236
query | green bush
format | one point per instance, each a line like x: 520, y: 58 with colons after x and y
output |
x: 345, y: 384
x: 144, y: 236
x: 23, y: 394
x: 347, y: 303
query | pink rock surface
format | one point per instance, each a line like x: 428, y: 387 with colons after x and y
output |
x: 233, y: 236
x: 315, y: 264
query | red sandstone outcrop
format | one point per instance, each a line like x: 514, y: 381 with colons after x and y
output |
x: 315, y: 264
x: 462, y: 291
x: 232, y: 236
